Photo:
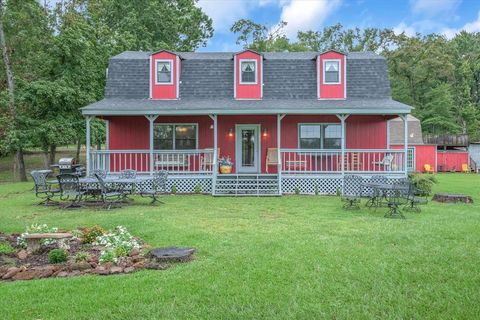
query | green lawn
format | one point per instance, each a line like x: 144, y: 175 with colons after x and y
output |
x: 296, y: 257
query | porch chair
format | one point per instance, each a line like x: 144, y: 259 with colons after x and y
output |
x: 44, y: 189
x: 159, y: 187
x: 70, y: 190
x: 352, y: 192
x: 386, y: 162
x: 465, y: 168
x: 108, y: 197
x: 427, y: 168
x: 206, y: 161
x: 272, y: 158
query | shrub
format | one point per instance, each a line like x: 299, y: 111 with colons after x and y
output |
x: 338, y: 192
x: 316, y: 191
x: 91, y: 234
x: 37, y: 228
x: 174, y: 189
x: 81, y: 256
x: 6, y: 248
x: 198, y: 188
x: 121, y: 251
x: 107, y: 256
x: 423, y: 183
x: 57, y: 256
x: 297, y: 190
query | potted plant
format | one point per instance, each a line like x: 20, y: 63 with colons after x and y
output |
x: 226, y: 165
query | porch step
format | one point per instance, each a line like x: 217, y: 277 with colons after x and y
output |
x: 247, y: 185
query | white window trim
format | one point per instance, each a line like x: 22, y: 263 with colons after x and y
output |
x: 174, y: 138
x: 339, y: 71
x: 156, y: 73
x: 240, y: 71
x: 322, y: 137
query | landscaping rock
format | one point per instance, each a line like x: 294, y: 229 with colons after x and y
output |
x: 3, y: 270
x: 45, y: 272
x: 134, y: 252
x: 22, y: 254
x: 101, y: 270
x: 74, y: 273
x: 26, y: 275
x: 155, y: 265
x: 116, y: 269
x: 128, y: 270
x: 11, y: 272
x: 172, y: 254
x: 62, y: 274
x: 82, y: 266
x: 136, y: 259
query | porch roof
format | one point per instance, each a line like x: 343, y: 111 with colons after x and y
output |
x: 115, y: 106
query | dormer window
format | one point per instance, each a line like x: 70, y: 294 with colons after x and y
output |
x: 164, y: 74
x: 331, y: 71
x: 249, y: 71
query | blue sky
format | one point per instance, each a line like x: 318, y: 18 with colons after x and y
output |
x: 425, y: 16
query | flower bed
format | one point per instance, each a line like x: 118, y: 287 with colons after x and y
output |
x: 88, y: 251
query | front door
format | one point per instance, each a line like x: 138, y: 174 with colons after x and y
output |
x: 247, y: 148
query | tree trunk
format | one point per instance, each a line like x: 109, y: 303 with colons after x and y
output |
x: 21, y: 164
x: 79, y: 146
x: 11, y: 94
x: 51, y: 155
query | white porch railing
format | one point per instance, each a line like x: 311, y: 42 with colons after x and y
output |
x: 303, y: 161
x: 174, y: 161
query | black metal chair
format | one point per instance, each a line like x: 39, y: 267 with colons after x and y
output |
x: 396, y: 198
x: 100, y: 172
x: 128, y: 188
x: 44, y: 189
x: 352, y: 192
x: 159, y: 187
x: 375, y: 197
x: 128, y: 174
x: 70, y: 190
x: 414, y: 199
x: 108, y: 197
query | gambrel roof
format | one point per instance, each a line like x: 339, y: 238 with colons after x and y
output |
x: 207, y: 83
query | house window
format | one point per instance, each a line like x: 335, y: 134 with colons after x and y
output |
x: 320, y: 136
x: 248, y: 71
x: 175, y: 136
x: 164, y: 74
x: 331, y: 71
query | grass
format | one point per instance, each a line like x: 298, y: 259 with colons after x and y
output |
x: 299, y: 257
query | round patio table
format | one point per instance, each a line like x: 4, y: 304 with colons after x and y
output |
x: 91, y: 184
x: 381, y: 190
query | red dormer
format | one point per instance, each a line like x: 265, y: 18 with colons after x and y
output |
x: 248, y: 71
x: 164, y: 75
x: 331, y: 81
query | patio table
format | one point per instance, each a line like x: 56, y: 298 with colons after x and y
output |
x: 380, y: 192
x: 91, y: 185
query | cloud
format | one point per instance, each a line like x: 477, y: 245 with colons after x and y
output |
x: 473, y: 26
x: 403, y: 27
x: 306, y: 15
x: 434, y: 7
x: 225, y: 13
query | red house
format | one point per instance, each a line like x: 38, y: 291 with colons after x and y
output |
x: 288, y: 120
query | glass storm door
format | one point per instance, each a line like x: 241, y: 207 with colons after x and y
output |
x: 247, y: 148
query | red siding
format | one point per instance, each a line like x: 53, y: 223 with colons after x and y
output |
x: 424, y: 154
x: 248, y: 91
x: 451, y: 160
x: 226, y: 143
x: 164, y: 91
x: 366, y: 132
x: 128, y: 133
x: 331, y: 91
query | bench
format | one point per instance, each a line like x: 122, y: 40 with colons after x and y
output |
x: 33, y: 240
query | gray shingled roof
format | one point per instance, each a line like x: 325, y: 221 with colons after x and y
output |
x: 414, y: 131
x: 206, y: 78
x: 231, y: 106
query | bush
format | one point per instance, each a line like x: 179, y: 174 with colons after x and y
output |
x: 316, y: 191
x: 108, y: 256
x: 57, y: 256
x: 423, y: 183
x: 297, y: 190
x: 6, y: 248
x: 81, y: 257
x: 198, y: 188
x: 174, y: 189
x: 121, y: 251
x: 91, y: 234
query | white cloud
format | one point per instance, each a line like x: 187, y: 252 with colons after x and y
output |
x: 403, y: 27
x: 473, y: 26
x: 306, y: 15
x: 225, y: 12
x: 433, y: 7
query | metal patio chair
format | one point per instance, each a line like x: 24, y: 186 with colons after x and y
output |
x: 70, y: 190
x: 100, y: 172
x: 159, y: 187
x: 396, y: 198
x: 43, y: 189
x: 108, y: 197
x: 374, y: 198
x: 352, y: 192
x: 414, y: 199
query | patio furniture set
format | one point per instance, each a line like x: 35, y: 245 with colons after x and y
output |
x: 379, y: 193
x: 98, y: 188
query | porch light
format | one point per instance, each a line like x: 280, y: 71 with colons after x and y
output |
x: 211, y: 126
x: 230, y: 132
x: 265, y: 132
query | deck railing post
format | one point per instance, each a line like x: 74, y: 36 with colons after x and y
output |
x: 342, y: 118
x: 151, y: 119
x: 279, y: 153
x: 405, y: 142
x: 87, y: 142
x: 215, y: 152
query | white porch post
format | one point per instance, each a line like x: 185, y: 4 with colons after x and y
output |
x: 106, y: 157
x: 342, y: 118
x: 87, y: 142
x: 151, y: 119
x: 279, y: 154
x: 215, y: 152
x: 405, y: 142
